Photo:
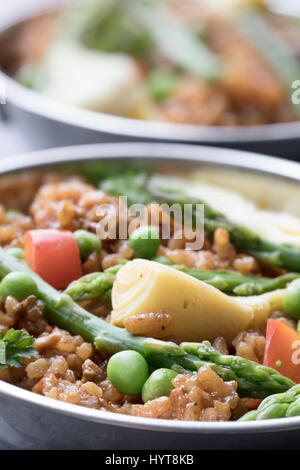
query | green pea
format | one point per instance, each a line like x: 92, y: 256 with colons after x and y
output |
x: 291, y: 299
x: 128, y: 371
x: 87, y: 242
x: 158, y: 384
x: 145, y: 242
x: 18, y: 285
x: 161, y: 83
x: 16, y: 252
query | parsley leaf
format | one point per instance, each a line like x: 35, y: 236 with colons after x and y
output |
x: 15, y: 346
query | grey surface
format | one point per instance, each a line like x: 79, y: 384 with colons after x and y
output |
x: 29, y: 420
x: 12, y: 141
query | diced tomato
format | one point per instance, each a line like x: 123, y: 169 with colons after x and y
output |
x: 53, y: 255
x: 252, y: 403
x: 282, y: 350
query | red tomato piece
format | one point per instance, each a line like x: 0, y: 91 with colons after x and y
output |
x: 283, y: 349
x: 54, y: 256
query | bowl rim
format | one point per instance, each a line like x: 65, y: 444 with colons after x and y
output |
x: 37, y: 104
x: 228, y: 158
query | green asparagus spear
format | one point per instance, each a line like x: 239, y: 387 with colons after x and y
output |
x: 99, y: 285
x: 243, y: 239
x: 110, y: 26
x: 253, y: 379
x: 241, y: 370
x: 281, y: 405
x: 178, y: 43
x: 232, y: 282
x: 135, y: 27
x: 92, y: 286
x: 160, y: 188
x: 129, y: 184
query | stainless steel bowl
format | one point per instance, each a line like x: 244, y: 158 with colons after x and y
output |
x: 31, y: 421
x: 48, y: 123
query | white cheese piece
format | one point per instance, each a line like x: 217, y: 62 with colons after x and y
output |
x: 97, y: 81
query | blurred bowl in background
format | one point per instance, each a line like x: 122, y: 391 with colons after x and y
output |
x: 49, y: 123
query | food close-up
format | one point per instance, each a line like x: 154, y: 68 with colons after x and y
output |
x: 150, y: 290
x: 145, y: 325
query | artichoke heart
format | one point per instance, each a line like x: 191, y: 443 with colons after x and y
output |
x: 198, y: 310
x: 262, y: 306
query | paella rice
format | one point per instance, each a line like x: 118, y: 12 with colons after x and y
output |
x: 199, y: 380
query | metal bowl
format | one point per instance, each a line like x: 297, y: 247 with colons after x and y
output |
x: 48, y: 123
x: 31, y: 421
